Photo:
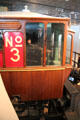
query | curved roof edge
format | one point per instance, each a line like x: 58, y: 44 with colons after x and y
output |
x: 19, y: 14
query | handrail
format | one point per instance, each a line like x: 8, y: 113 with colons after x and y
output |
x: 76, y: 53
x: 76, y: 59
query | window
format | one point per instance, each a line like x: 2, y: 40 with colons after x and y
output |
x: 34, y: 44
x: 1, y: 53
x: 1, y: 41
x: 68, y: 49
x: 55, y: 38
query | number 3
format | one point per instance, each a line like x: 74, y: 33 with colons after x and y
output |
x: 16, y: 54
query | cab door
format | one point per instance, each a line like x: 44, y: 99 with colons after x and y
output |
x: 13, y: 49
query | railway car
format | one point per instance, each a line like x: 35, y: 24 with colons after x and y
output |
x: 35, y: 54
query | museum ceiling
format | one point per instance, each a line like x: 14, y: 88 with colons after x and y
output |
x: 58, y: 8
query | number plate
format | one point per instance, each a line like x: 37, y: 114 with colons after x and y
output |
x: 13, y: 44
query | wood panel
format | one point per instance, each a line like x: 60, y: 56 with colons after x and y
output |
x: 67, y: 73
x: 10, y: 25
x: 34, y: 85
x: 7, y: 82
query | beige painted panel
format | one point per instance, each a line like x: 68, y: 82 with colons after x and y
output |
x: 7, y: 111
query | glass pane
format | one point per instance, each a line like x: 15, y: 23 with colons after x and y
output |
x: 1, y: 52
x: 68, y: 49
x: 34, y: 44
x: 55, y: 38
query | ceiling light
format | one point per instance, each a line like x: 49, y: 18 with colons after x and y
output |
x: 66, y: 0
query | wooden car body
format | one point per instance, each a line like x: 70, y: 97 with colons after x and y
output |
x: 35, y: 82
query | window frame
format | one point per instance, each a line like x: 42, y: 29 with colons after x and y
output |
x: 56, y: 22
x: 71, y: 51
x: 36, y: 21
x: 45, y: 22
x: 45, y: 40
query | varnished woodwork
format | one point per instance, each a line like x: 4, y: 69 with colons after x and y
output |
x: 72, y: 34
x: 67, y: 72
x: 64, y: 46
x: 10, y: 25
x: 35, y: 83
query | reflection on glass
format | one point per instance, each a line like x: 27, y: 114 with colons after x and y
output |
x: 34, y: 44
x: 55, y: 38
x: 68, y: 49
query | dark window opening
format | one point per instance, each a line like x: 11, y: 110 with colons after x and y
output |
x: 34, y: 44
x: 1, y: 51
x: 1, y: 41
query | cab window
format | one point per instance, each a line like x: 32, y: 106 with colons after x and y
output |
x: 68, y: 49
x: 34, y: 44
x: 55, y: 39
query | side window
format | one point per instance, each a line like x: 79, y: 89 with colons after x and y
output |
x: 34, y: 44
x: 55, y: 39
x: 68, y: 49
x: 1, y: 41
x: 1, y: 53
